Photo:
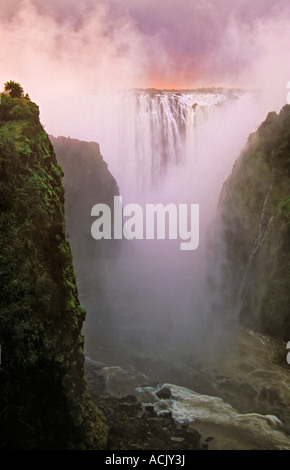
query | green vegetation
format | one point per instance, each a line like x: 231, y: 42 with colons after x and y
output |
x: 43, y: 394
x: 14, y: 89
x: 255, y: 214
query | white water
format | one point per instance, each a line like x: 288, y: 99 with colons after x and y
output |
x: 168, y: 148
x: 147, y: 138
x: 188, y: 406
x: 240, y: 395
x: 156, y: 314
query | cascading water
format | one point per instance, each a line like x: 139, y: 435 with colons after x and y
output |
x: 168, y: 147
x: 152, y: 132
x: 151, y: 310
x: 263, y: 228
x: 264, y: 225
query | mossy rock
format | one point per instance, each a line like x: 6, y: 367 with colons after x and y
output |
x: 43, y: 395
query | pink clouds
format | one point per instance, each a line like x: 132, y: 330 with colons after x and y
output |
x: 97, y: 53
x: 65, y: 51
x: 132, y: 43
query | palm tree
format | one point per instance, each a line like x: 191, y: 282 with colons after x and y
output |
x: 13, y: 89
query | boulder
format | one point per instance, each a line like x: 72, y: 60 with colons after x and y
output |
x: 164, y: 393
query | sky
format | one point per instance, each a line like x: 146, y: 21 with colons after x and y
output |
x: 70, y: 49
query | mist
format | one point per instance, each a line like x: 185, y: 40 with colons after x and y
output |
x: 75, y: 59
x: 155, y: 301
x: 65, y: 53
x: 122, y: 73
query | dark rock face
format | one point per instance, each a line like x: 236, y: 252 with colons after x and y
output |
x: 87, y: 181
x: 254, y: 216
x: 44, y: 400
x: 164, y: 393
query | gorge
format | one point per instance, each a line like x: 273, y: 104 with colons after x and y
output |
x: 202, y: 323
x: 156, y: 316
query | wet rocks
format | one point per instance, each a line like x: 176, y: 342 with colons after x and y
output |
x: 164, y: 393
x: 134, y: 426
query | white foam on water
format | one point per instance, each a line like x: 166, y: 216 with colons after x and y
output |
x: 188, y: 406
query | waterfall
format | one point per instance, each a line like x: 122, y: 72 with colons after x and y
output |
x: 151, y: 133
x: 162, y: 148
x: 151, y: 316
x: 263, y: 228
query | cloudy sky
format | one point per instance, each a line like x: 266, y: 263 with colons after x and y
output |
x: 74, y: 48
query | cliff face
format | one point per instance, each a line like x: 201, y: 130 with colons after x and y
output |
x: 254, y: 212
x: 43, y: 394
x: 87, y: 181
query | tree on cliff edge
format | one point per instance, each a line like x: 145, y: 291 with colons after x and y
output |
x: 14, y: 89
